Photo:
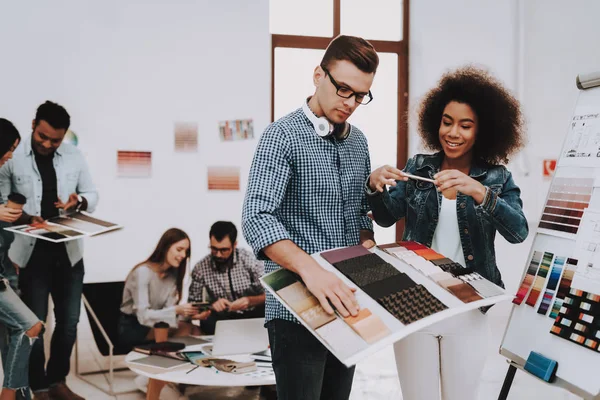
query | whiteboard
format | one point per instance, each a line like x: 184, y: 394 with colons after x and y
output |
x: 527, y: 330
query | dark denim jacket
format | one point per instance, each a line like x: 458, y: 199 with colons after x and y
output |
x: 419, y: 203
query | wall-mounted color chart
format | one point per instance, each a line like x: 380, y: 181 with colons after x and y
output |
x: 567, y: 199
x: 540, y: 279
x: 534, y: 264
x: 564, y: 286
x: 134, y: 164
x: 555, y: 273
x: 223, y: 178
x: 239, y: 129
x: 186, y: 137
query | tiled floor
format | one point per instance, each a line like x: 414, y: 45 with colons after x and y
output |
x: 375, y: 378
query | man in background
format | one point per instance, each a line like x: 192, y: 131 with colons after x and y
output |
x: 230, y: 278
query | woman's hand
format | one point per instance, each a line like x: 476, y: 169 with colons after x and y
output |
x: 186, y: 310
x: 386, y: 175
x: 8, y: 214
x: 202, y: 316
x: 454, y: 180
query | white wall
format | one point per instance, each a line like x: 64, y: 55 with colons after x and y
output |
x: 558, y: 41
x: 126, y: 71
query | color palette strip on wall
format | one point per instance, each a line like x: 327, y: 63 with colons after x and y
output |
x: 564, y: 286
x: 540, y: 279
x: 223, y: 178
x: 134, y: 164
x: 567, y: 199
x: 555, y: 272
x: 529, y: 276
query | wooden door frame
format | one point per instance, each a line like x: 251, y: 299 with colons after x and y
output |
x: 382, y: 46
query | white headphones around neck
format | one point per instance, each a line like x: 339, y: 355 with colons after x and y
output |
x: 322, y: 126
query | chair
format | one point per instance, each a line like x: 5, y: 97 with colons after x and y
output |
x: 102, y: 302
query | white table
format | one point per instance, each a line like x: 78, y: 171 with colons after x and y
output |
x: 201, y: 376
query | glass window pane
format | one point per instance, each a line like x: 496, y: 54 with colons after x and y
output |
x: 306, y: 17
x: 376, y: 19
x: 293, y: 78
x: 378, y: 120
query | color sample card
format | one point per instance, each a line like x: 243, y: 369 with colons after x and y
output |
x: 134, y: 164
x: 486, y: 288
x: 534, y: 264
x: 555, y: 273
x: 412, y: 304
x: 335, y: 256
x: 186, y: 137
x: 465, y: 292
x: 341, y: 337
x: 305, y: 305
x: 540, y: 279
x: 368, y: 326
x: 578, y: 320
x: 564, y: 286
x: 567, y: 199
x: 223, y: 178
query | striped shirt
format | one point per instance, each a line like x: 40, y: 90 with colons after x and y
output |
x: 306, y: 189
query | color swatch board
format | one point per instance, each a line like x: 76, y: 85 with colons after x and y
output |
x: 354, y: 339
x: 556, y: 308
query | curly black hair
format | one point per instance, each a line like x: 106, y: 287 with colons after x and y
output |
x: 501, y: 127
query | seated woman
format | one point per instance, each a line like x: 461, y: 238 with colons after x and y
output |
x: 153, y: 290
x: 18, y: 324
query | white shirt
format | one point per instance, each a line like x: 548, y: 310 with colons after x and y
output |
x: 446, y: 239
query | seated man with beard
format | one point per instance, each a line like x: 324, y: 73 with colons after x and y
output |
x: 229, y: 277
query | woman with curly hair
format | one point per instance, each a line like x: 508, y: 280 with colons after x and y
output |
x: 474, y: 125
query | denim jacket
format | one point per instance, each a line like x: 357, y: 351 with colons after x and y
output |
x: 419, y: 203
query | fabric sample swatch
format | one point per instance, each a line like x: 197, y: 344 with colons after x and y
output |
x: 389, y: 286
x: 341, y: 338
x: 534, y: 264
x: 305, y: 305
x: 540, y: 279
x: 375, y: 273
x: 579, y: 319
x: 412, y: 245
x: 555, y: 273
x: 464, y: 292
x: 486, y: 288
x: 355, y: 264
x: 368, y: 326
x: 335, y: 256
x: 412, y: 304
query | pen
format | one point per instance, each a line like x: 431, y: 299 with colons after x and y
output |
x: 419, y: 178
x: 192, y: 369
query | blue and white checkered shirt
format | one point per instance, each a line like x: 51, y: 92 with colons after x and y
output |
x: 307, y: 189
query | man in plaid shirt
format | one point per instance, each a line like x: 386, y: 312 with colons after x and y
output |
x: 231, y: 277
x: 305, y: 195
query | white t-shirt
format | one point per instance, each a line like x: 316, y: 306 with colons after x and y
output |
x: 446, y: 239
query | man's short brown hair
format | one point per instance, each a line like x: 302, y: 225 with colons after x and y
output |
x: 354, y: 49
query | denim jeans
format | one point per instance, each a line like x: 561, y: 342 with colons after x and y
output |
x: 304, y: 368
x: 49, y: 272
x: 15, y: 345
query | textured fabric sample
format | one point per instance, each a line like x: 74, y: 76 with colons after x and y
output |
x: 464, y: 292
x: 412, y: 304
x: 335, y: 256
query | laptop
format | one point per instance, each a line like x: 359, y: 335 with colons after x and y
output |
x: 238, y: 336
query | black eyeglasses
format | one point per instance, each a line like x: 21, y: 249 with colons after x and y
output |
x: 346, y: 93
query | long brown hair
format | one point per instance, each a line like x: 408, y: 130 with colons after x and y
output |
x: 158, y: 256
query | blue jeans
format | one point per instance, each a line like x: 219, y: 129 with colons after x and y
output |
x: 304, y: 368
x: 15, y: 320
x: 49, y: 272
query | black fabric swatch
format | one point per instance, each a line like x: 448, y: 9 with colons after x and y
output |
x: 389, y: 286
x: 347, y: 267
